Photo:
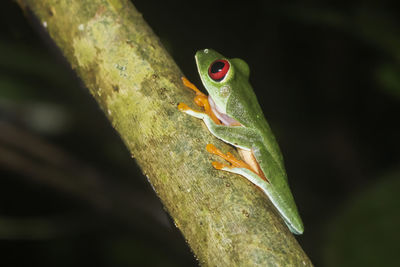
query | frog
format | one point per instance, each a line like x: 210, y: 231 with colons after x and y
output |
x: 232, y: 113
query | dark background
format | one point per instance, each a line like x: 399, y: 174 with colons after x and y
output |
x: 327, y: 76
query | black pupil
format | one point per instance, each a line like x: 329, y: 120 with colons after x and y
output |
x: 217, y: 67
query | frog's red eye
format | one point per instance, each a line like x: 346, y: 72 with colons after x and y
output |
x: 218, y: 69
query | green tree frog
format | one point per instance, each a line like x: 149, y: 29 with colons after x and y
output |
x: 233, y: 114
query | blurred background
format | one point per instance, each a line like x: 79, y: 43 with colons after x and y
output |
x: 327, y: 75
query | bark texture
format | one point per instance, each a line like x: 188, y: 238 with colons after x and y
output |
x: 226, y: 220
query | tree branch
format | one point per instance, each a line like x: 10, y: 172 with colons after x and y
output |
x: 226, y: 220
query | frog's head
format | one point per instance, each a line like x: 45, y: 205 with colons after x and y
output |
x: 219, y: 75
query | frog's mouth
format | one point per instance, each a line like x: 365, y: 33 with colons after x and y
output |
x: 225, y: 119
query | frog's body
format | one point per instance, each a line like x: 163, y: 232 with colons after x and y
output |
x: 235, y: 116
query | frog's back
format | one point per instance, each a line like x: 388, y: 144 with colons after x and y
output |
x: 243, y: 106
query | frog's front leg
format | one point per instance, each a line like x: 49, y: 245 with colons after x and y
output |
x: 201, y: 100
x: 197, y: 114
x: 233, y: 135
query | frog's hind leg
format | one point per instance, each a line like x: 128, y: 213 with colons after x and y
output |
x: 228, y: 157
x: 237, y: 166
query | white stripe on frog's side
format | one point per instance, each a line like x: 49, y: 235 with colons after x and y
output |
x: 209, y: 122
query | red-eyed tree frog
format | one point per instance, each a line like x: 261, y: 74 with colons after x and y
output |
x: 233, y: 114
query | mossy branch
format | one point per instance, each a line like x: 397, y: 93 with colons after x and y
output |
x: 226, y: 220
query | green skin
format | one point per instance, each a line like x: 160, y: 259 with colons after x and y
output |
x: 235, y: 97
